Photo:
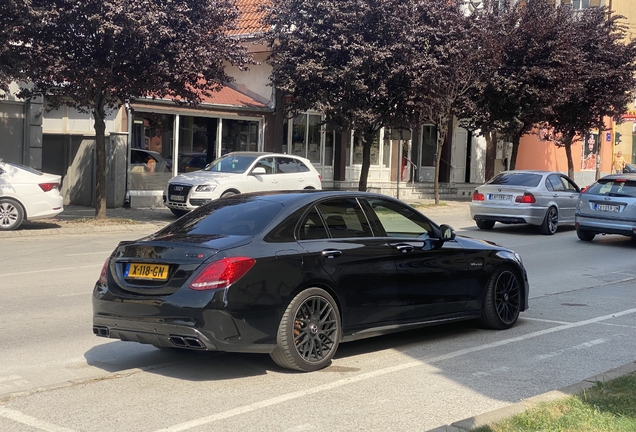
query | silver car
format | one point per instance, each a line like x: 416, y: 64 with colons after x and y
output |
x: 542, y: 198
x: 608, y: 207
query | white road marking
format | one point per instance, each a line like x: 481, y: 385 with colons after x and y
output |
x: 19, y: 417
x: 51, y: 270
x: 380, y: 372
x: 545, y: 320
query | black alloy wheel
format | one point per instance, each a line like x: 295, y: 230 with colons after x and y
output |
x: 309, y: 332
x: 484, y: 224
x: 502, y: 301
x: 550, y: 222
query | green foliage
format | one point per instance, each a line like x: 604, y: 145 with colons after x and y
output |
x: 607, y: 407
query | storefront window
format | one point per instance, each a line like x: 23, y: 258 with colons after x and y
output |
x: 313, y: 139
x: 386, y: 152
x: 429, y: 145
x: 150, y: 164
x: 375, y: 149
x: 239, y: 135
x: 331, y: 137
x: 298, y: 135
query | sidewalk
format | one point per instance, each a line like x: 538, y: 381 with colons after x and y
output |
x: 80, y: 220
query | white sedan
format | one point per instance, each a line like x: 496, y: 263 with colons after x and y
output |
x: 236, y: 173
x: 27, y: 194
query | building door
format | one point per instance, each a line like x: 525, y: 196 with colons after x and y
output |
x: 458, y: 157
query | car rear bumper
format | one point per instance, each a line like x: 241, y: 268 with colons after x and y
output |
x: 47, y: 207
x: 604, y: 226
x: 508, y: 214
x: 196, y: 323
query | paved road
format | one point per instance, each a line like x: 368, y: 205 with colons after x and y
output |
x: 56, y: 376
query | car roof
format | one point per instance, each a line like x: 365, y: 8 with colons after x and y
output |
x: 258, y: 154
x: 306, y: 196
x: 628, y: 176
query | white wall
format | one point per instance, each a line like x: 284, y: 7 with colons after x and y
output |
x: 67, y: 120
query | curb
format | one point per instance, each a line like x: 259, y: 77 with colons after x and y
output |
x: 81, y: 230
x: 500, y: 414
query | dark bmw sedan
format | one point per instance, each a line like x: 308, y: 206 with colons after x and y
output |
x: 295, y: 274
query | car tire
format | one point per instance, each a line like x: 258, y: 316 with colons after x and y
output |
x: 11, y: 214
x: 484, y: 224
x: 178, y: 213
x: 227, y: 194
x: 550, y: 221
x: 502, y: 300
x: 585, y: 235
x: 309, y: 332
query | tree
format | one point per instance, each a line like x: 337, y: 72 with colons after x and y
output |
x: 529, y: 64
x: 14, y: 16
x: 446, y: 67
x: 601, y: 66
x: 97, y: 54
x: 348, y: 59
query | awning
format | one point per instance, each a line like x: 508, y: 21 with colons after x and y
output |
x: 629, y: 116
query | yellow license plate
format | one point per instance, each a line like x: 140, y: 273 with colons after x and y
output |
x: 146, y: 271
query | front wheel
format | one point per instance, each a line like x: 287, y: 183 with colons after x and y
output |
x: 11, y: 214
x: 502, y: 300
x: 550, y: 222
x: 309, y: 332
x: 585, y: 235
x: 178, y: 213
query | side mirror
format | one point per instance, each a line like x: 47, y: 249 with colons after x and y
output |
x: 448, y: 233
x: 258, y: 171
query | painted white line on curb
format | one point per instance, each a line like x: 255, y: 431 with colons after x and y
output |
x: 369, y: 375
x: 19, y: 417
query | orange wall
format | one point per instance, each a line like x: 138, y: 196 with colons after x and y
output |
x: 534, y: 154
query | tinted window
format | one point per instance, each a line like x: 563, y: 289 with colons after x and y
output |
x: 517, y: 179
x: 231, y: 164
x: 553, y: 183
x: 613, y: 187
x: 302, y: 167
x: 312, y: 227
x: 398, y: 220
x: 286, y: 165
x: 344, y: 218
x: 226, y: 217
x: 22, y: 167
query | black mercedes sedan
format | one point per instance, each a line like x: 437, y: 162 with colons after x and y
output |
x: 294, y: 274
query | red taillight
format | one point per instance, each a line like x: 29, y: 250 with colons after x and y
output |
x: 221, y: 273
x: 584, y: 189
x: 48, y: 186
x: 526, y: 198
x: 102, y: 275
x: 478, y: 196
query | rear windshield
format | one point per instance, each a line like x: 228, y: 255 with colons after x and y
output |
x: 613, y: 187
x: 22, y: 167
x: 236, y: 216
x: 517, y: 179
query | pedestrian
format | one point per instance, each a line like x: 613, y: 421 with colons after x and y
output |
x: 619, y: 163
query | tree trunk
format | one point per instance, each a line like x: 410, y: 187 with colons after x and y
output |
x: 442, y: 128
x: 568, y: 154
x: 491, y: 152
x: 515, y: 150
x: 366, y: 160
x: 100, y: 153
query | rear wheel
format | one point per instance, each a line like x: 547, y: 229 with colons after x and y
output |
x: 11, y: 214
x: 309, y: 332
x: 484, y: 224
x: 585, y: 235
x: 178, y: 213
x: 502, y: 300
x: 550, y: 222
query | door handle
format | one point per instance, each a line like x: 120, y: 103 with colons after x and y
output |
x: 404, y: 247
x: 274, y: 181
x: 331, y: 253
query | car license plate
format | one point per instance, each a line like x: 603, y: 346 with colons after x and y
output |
x: 177, y: 198
x: 146, y: 271
x: 499, y: 197
x: 608, y: 208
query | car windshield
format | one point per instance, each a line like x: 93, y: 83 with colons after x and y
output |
x: 517, y: 179
x: 613, y: 187
x: 231, y: 164
x: 235, y: 216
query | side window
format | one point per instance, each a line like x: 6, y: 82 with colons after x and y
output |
x: 312, y: 227
x: 399, y: 220
x: 555, y: 181
x: 569, y: 186
x: 302, y: 167
x: 286, y: 165
x: 267, y: 163
x: 345, y: 218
